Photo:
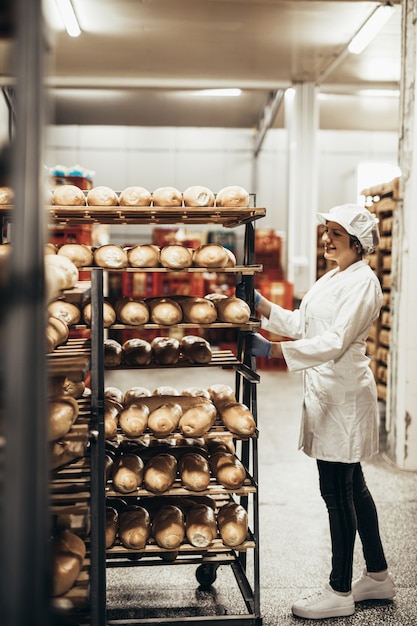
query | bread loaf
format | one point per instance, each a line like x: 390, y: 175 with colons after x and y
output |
x: 238, y: 419
x: 210, y: 255
x: 196, y: 349
x: 131, y: 311
x: 165, y: 350
x: 200, y: 525
x: 111, y: 418
x: 6, y: 195
x: 102, y: 196
x: 75, y: 519
x: 68, y: 195
x: 232, y: 522
x: 127, y: 473
x: 197, y: 310
x: 137, y: 351
x: 62, y: 413
x: 112, y: 353
x: 176, y: 257
x: 160, y: 472
x: 143, y: 255
x: 194, y: 471
x: 195, y: 392
x: 65, y: 311
x: 232, y: 196
x: 112, y: 525
x: 198, y: 196
x: 79, y: 254
x: 165, y: 390
x: 134, y: 419
x: 56, y: 333
x: 114, y: 394
x: 228, y: 470
x: 221, y: 394
x: 232, y: 310
x: 135, y: 196
x: 110, y: 256
x: 135, y: 394
x: 163, y: 420
x: 168, y: 527
x: 60, y: 271
x: 164, y: 311
x: 167, y: 197
x: 67, y: 557
x: 109, y: 314
x: 197, y: 420
x: 74, y: 388
x: 231, y: 261
x: 65, y: 452
x: 134, y: 527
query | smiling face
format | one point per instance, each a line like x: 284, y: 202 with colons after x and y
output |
x: 337, y: 246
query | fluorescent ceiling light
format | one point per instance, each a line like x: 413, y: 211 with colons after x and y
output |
x: 69, y: 18
x: 370, y: 28
x: 380, y: 93
x: 217, y: 93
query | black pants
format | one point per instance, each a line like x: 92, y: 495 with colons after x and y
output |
x: 351, y: 508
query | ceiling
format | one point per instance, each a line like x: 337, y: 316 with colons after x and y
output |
x: 139, y: 62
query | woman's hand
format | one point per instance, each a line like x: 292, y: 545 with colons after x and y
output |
x: 259, y: 346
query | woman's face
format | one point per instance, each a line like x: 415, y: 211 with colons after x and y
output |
x: 337, y: 246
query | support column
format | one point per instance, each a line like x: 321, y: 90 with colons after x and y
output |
x: 402, y: 397
x: 301, y: 112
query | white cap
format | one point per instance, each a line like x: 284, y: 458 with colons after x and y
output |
x: 357, y: 221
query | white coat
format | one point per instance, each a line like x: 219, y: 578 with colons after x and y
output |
x: 340, y: 409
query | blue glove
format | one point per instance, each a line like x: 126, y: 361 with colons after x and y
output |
x: 241, y: 293
x: 259, y: 346
x: 257, y: 298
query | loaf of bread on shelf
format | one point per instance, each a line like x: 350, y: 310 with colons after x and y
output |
x: 135, y: 394
x: 232, y: 196
x: 137, y: 351
x: 165, y: 390
x: 221, y: 394
x: 112, y: 525
x: 56, y: 333
x: 114, y: 393
x: 143, y: 255
x: 65, y: 451
x: 62, y: 413
x: 228, y: 470
x: 74, y: 388
x: 174, y: 256
x: 128, y: 472
x: 168, y: 527
x: 6, y: 195
x: 232, y: 310
x: 111, y: 418
x: 76, y: 519
x: 197, y: 420
x: 160, y: 472
x: 200, y: 525
x: 232, y: 522
x: 164, y: 311
x: 67, y: 552
x: 113, y: 353
x: 198, y: 310
x: 196, y: 349
x: 109, y: 314
x: 133, y: 419
x: 210, y: 255
x: 194, y: 471
x: 80, y: 254
x: 165, y: 350
x: 111, y: 256
x: 102, y: 196
x: 134, y: 527
x: 132, y: 311
x: 195, y: 392
x: 198, y: 196
x: 135, y: 196
x: 231, y: 261
x: 60, y: 274
x: 237, y: 418
x: 167, y: 197
x: 163, y: 420
x: 68, y: 195
x: 66, y: 311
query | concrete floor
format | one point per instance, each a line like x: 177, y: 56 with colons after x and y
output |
x: 294, y: 538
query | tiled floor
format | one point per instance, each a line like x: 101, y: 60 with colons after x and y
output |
x: 294, y: 538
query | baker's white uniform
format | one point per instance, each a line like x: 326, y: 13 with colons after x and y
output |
x: 340, y: 410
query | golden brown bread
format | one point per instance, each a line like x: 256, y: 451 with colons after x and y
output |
x: 198, y: 310
x: 228, y: 470
x: 60, y: 272
x: 165, y: 350
x: 163, y: 420
x: 134, y: 527
x: 112, y: 525
x: 80, y: 254
x: 143, y: 255
x: 168, y: 527
x: 164, y: 311
x: 111, y: 418
x: 56, y: 333
x: 238, y: 419
x: 114, y: 393
x: 65, y: 311
x: 135, y: 394
x: 160, y: 472
x: 210, y: 255
x: 66, y: 451
x: 127, y: 473
x: 113, y: 353
x: 221, y: 394
x: 194, y: 471
x: 62, y: 413
x: 198, y: 196
x: 110, y: 256
x: 135, y: 196
x: 67, y: 556
x: 176, y: 257
x: 232, y: 522
x: 232, y: 310
x: 109, y: 314
x: 200, y: 525
x: 102, y: 196
x: 131, y: 311
x: 134, y: 419
x: 68, y: 195
x: 137, y: 351
x: 196, y: 349
x: 167, y: 197
x: 6, y: 195
x: 232, y: 196
x: 197, y: 420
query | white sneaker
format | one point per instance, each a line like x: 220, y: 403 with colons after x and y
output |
x: 324, y: 603
x: 367, y: 588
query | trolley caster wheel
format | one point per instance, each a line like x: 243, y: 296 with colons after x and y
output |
x: 206, y: 574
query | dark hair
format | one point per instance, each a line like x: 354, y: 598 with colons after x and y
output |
x: 354, y: 241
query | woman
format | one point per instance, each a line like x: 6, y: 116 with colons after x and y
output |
x: 340, y: 415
